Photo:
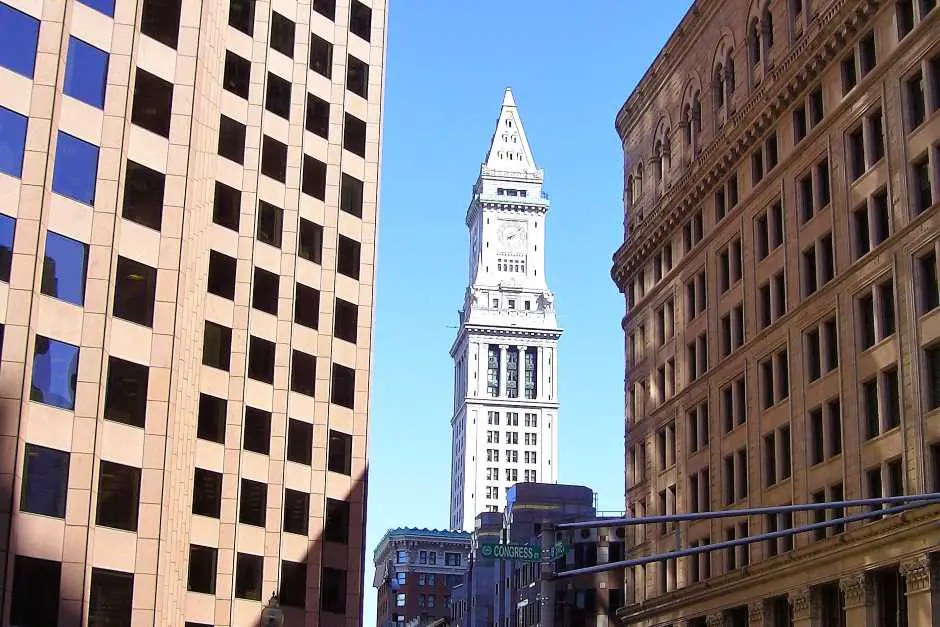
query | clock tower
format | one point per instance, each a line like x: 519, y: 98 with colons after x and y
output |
x: 505, y: 420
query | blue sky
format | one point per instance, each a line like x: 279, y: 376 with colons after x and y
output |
x: 448, y: 64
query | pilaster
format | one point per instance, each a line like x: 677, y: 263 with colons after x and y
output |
x: 755, y: 614
x: 540, y: 374
x: 715, y: 620
x: 520, y: 375
x: 805, y: 607
x: 503, y: 357
x: 858, y: 593
x: 921, y: 576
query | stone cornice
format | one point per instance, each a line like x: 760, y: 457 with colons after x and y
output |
x: 822, y: 42
x: 693, y: 598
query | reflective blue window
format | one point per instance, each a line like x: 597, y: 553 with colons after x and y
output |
x: 45, y: 481
x: 86, y: 73
x: 19, y: 41
x: 12, y: 141
x: 103, y: 6
x: 76, y: 169
x: 55, y: 372
x: 7, y: 227
x: 64, y: 269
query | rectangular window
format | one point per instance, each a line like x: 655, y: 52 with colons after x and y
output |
x: 256, y: 434
x: 55, y: 373
x: 221, y: 275
x: 64, y: 269
x: 339, y: 453
x: 202, y: 569
x: 273, y: 159
x: 277, y: 96
x: 135, y: 292
x: 348, y: 257
x: 248, y: 574
x: 45, y: 481
x: 231, y: 139
x: 75, y: 172
x: 241, y: 15
x: 357, y: 76
x: 143, y: 195
x: 125, y: 398
x: 342, y: 391
x: 293, y: 589
x: 35, y: 598
x: 153, y: 103
x: 12, y: 142
x: 313, y: 178
x: 211, y: 418
x: 354, y: 135
x: 336, y: 521
x: 102, y: 6
x: 264, y: 291
x: 282, y: 34
x: 160, y: 19
x: 86, y: 72
x: 226, y: 206
x: 296, y: 512
x: 261, y: 359
x: 207, y: 493
x: 111, y: 598
x: 326, y: 8
x: 299, y: 442
x: 350, y: 199
x: 118, y: 496
x: 932, y: 375
x: 236, y: 74
x: 318, y: 116
x: 307, y: 306
x: 333, y: 590
x: 303, y: 375
x: 321, y: 56
x: 252, y: 503
x: 928, y: 281
x: 310, y: 246
x: 18, y: 49
x: 360, y: 20
x: 217, y: 346
x: 920, y: 184
x: 7, y: 232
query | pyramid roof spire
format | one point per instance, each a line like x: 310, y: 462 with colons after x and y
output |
x: 509, y: 149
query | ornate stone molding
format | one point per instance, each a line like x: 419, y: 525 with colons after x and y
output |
x: 802, y: 603
x: 920, y: 574
x: 755, y: 613
x: 857, y: 589
x: 715, y: 620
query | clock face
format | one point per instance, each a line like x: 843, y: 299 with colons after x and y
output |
x: 512, y: 235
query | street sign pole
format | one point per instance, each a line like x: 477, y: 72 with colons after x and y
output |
x: 547, y: 583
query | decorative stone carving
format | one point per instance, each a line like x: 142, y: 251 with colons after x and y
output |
x: 857, y: 589
x: 920, y: 574
x: 801, y: 601
x: 755, y: 613
x: 715, y: 620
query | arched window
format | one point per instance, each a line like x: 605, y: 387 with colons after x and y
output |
x: 768, y: 28
x: 721, y: 96
x: 753, y: 42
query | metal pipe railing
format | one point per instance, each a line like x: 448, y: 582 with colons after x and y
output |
x: 921, y: 501
x: 928, y: 498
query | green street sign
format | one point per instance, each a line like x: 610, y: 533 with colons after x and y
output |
x: 560, y: 549
x: 521, y: 552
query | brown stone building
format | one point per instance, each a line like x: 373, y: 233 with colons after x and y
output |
x: 782, y: 174
x: 188, y: 200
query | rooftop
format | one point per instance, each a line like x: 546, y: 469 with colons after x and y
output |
x: 420, y: 532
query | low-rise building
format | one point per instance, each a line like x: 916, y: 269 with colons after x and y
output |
x: 416, y: 572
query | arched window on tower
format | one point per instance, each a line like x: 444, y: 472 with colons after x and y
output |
x: 696, y: 124
x: 767, y: 29
x: 753, y: 43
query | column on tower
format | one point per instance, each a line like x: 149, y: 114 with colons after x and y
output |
x: 520, y: 371
x: 503, y: 358
x: 540, y: 374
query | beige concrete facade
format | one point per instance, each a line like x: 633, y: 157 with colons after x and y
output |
x: 251, y: 327
x: 781, y: 187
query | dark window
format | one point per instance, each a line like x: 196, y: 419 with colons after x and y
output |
x: 118, y: 496
x: 111, y: 598
x: 307, y: 306
x: 257, y: 433
x: 20, y: 42
x: 226, y: 206
x: 318, y: 116
x: 264, y: 291
x: 336, y: 521
x: 339, y: 454
x: 55, y: 373
x: 253, y: 503
x: 920, y: 172
x: 333, y: 590
x: 86, y: 73
x: 45, y: 481
x: 7, y: 232
x: 207, y: 493
x: 321, y: 56
x: 248, y: 571
x: 221, y: 277
x: 293, y: 591
x: 303, y: 373
x: 311, y: 241
x: 125, y: 397
x: 326, y: 8
x: 160, y: 19
x: 64, y: 269
x: 202, y: 569
x: 360, y: 20
x: 296, y: 512
x: 211, y: 420
x: 12, y: 142
x: 274, y: 159
x: 299, y: 442
x: 347, y: 262
x: 143, y: 195
x: 217, y: 346
x: 231, y: 139
x: 314, y: 178
x: 278, y: 96
x: 350, y: 199
x: 135, y: 291
x: 344, y: 386
x: 153, y: 103
x: 236, y: 77
x: 270, y: 223
x: 75, y: 173
x: 916, y: 100
x: 905, y: 13
x: 357, y: 76
x: 261, y: 360
x: 241, y: 15
x: 282, y: 34
x: 35, y: 599
x: 354, y: 135
x: 345, y: 320
x: 932, y: 367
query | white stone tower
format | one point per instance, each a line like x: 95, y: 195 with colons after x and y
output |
x: 505, y: 423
